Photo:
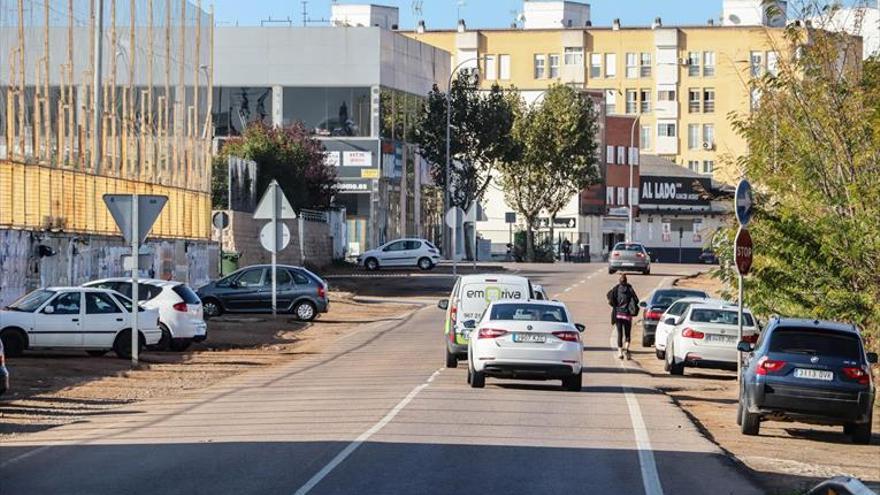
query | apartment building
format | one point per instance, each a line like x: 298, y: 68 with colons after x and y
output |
x: 682, y: 82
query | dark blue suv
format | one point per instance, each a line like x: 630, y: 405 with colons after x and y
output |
x: 811, y: 371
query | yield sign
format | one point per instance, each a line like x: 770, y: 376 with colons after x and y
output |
x: 149, y: 207
x: 274, y: 205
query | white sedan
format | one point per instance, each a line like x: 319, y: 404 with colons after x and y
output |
x: 532, y: 340
x: 707, y: 337
x: 93, y: 320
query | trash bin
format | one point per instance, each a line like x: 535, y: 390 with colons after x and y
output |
x: 229, y: 262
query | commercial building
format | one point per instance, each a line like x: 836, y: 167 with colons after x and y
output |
x: 358, y: 87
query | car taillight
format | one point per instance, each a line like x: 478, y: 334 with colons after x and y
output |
x: 653, y: 315
x: 615, y: 255
x: 322, y: 292
x: 751, y: 339
x: 490, y: 333
x: 453, y: 313
x: 692, y: 334
x: 640, y: 255
x: 181, y: 306
x: 857, y: 374
x: 767, y: 366
x: 567, y: 336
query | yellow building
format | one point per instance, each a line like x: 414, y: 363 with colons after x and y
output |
x: 686, y: 81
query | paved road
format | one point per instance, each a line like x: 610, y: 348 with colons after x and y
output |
x: 375, y: 413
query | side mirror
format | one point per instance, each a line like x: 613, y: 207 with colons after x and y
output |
x: 49, y: 310
x: 643, y: 304
x: 580, y: 327
x: 470, y: 324
x: 746, y: 347
x: 670, y: 321
x: 443, y: 304
x: 872, y: 357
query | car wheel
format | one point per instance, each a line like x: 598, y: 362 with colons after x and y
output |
x: 861, y: 433
x: 212, y: 308
x: 646, y: 271
x: 14, y: 342
x: 180, y: 345
x: 611, y: 272
x: 573, y: 383
x: 478, y: 379
x: 305, y: 311
x: 739, y: 412
x: 164, y: 341
x: 750, y: 424
x: 647, y: 341
x: 425, y: 264
x: 451, y: 359
x: 122, y: 344
x: 660, y: 354
x: 671, y: 366
x: 96, y: 353
x: 371, y: 264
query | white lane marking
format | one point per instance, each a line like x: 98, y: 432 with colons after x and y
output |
x: 567, y: 289
x: 25, y: 455
x: 350, y: 448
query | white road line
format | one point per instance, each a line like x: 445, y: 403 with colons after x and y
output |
x: 350, y: 448
x: 567, y: 289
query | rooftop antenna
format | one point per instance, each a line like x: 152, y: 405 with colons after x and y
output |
x: 459, y: 5
x: 306, y: 20
x: 417, y: 11
x: 518, y: 17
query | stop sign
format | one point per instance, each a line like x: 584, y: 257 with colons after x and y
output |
x: 743, y: 251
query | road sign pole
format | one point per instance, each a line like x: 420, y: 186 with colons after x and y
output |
x: 739, y: 331
x: 135, y: 258
x: 454, y: 242
x: 276, y: 206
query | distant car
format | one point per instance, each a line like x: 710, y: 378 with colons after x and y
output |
x: 707, y: 338
x: 249, y: 290
x: 630, y: 257
x: 657, y: 303
x: 401, y: 253
x: 669, y: 320
x: 94, y: 320
x: 469, y: 298
x: 532, y: 340
x: 4, y: 373
x: 811, y: 371
x: 708, y: 257
x: 180, y: 309
x: 539, y: 293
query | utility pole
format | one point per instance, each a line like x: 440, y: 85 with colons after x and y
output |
x: 96, y: 87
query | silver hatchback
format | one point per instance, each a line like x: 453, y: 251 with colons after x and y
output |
x: 629, y: 257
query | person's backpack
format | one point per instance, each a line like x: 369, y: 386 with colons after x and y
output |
x: 633, y: 305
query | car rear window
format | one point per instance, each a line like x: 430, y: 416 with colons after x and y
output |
x: 187, y: 294
x: 430, y: 245
x: 667, y: 297
x: 812, y: 341
x: 475, y: 297
x: 529, y: 312
x: 720, y: 317
x: 629, y: 247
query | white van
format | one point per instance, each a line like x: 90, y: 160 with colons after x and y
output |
x: 469, y: 298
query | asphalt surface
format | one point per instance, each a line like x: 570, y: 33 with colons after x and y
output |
x: 376, y: 413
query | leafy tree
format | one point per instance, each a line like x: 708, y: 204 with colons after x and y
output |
x: 287, y: 154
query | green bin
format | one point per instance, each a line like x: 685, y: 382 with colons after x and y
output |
x: 229, y: 262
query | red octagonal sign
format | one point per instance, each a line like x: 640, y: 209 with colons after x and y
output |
x: 743, y: 251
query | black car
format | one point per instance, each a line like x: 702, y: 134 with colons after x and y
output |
x: 811, y: 371
x: 656, y: 304
x: 249, y: 290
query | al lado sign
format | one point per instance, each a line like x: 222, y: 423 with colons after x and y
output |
x: 673, y: 190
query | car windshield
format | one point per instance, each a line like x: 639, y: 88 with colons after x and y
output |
x: 667, y: 297
x: 628, y: 247
x: 720, y: 317
x: 815, y: 342
x: 529, y: 312
x: 31, y: 301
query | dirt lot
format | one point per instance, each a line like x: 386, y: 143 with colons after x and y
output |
x: 50, y: 389
x: 786, y: 457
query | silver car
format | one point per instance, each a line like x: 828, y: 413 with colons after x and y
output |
x: 629, y: 257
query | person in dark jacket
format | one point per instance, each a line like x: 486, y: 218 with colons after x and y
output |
x: 624, y: 306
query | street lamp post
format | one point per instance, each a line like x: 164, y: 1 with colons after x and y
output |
x: 632, y: 141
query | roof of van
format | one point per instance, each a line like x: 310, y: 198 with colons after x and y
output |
x: 494, y: 278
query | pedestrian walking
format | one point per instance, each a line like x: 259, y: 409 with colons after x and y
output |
x: 566, y: 250
x: 624, y: 307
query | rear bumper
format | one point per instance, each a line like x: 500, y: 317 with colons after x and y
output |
x: 711, y: 364
x: 649, y: 327
x: 629, y: 265
x: 809, y: 404
x: 530, y: 371
x: 459, y: 350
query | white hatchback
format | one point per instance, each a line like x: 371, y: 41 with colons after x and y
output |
x: 670, y: 319
x: 93, y: 320
x: 401, y: 253
x: 531, y: 340
x: 707, y: 337
x: 181, y: 317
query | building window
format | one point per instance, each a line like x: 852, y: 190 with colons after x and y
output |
x: 666, y: 130
x: 504, y: 67
x: 633, y: 156
x: 631, y: 101
x: 595, y: 65
x: 574, y: 55
x: 609, y: 195
x: 645, y: 65
x: 694, y: 101
x: 708, y: 100
x: 693, y: 136
x: 773, y: 63
x: 708, y: 64
x: 666, y: 95
x: 694, y: 165
x: 754, y: 99
x: 610, y: 65
x: 632, y: 68
x: 756, y: 62
x: 621, y: 155
x: 610, y: 101
x: 693, y: 62
x: 708, y: 166
x: 709, y: 136
x: 491, y: 69
x: 645, y: 100
x: 609, y: 152
x: 645, y: 137
x: 621, y: 196
x: 554, y: 66
x: 540, y: 62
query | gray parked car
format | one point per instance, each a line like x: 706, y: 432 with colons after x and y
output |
x: 629, y: 257
x: 810, y: 371
x: 249, y: 290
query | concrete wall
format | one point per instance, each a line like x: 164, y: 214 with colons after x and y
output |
x: 22, y: 270
x: 243, y: 236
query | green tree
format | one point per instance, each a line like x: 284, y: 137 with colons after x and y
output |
x: 287, y: 154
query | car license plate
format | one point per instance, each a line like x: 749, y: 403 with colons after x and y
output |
x: 628, y: 264
x: 529, y: 338
x: 721, y: 339
x: 814, y: 374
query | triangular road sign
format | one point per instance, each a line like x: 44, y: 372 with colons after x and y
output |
x: 274, y: 198
x: 149, y: 208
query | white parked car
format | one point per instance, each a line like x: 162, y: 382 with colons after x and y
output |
x: 93, y: 320
x: 181, y: 316
x: 707, y: 337
x: 670, y: 319
x: 401, y: 253
x: 531, y: 340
